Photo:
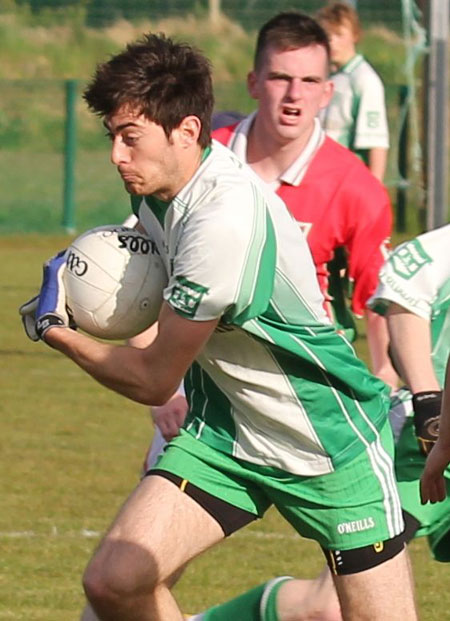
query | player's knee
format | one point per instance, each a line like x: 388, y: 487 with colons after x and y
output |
x: 95, y: 587
x: 109, y: 582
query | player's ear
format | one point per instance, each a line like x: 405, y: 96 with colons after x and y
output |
x: 252, y: 84
x: 188, y: 131
x: 327, y: 94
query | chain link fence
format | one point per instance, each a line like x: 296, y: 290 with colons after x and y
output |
x: 54, y: 161
x: 250, y: 14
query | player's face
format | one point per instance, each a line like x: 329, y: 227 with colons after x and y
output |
x: 145, y: 158
x: 342, y: 43
x: 291, y: 87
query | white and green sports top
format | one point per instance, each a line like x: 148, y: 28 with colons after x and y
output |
x: 356, y: 115
x: 417, y: 277
x: 275, y: 384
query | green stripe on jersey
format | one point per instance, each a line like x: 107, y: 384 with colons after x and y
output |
x: 207, y: 402
x: 329, y: 382
x: 256, y: 282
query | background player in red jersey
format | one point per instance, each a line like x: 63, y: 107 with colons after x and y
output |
x: 333, y: 196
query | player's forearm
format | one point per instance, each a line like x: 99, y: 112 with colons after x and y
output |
x: 123, y: 369
x: 378, y: 341
x: 378, y: 161
x: 144, y: 339
x: 410, y: 341
x: 444, y: 425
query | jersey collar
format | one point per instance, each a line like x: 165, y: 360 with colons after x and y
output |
x: 351, y: 64
x: 296, y: 171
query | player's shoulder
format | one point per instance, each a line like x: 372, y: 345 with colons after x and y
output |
x: 334, y: 157
x: 434, y: 242
x: 224, y: 178
x: 224, y: 134
x: 440, y: 233
x: 337, y: 166
x: 365, y: 74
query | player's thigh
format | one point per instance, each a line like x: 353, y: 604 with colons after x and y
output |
x: 158, y: 530
x: 377, y: 594
x: 355, y: 506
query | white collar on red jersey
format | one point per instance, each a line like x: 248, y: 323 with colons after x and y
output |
x: 296, y: 171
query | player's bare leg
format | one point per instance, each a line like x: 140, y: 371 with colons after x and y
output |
x: 158, y: 530
x: 89, y: 615
x: 308, y: 600
x: 377, y: 594
x: 283, y: 598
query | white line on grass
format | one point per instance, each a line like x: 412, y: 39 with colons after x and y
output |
x: 91, y: 534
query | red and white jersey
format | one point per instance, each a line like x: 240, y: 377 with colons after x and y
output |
x: 337, y: 203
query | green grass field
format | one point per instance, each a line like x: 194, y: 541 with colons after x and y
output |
x: 71, y: 451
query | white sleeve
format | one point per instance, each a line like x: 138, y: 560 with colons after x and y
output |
x: 220, y: 254
x: 415, y: 274
x: 371, y: 123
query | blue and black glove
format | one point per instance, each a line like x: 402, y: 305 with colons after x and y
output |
x: 48, y: 309
x: 427, y: 409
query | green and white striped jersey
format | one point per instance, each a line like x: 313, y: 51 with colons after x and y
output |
x: 356, y: 116
x: 417, y: 277
x: 275, y: 385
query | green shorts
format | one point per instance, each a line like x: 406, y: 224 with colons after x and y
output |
x: 434, y: 519
x: 355, y: 506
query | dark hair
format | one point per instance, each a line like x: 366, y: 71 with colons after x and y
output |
x: 289, y: 30
x: 163, y: 80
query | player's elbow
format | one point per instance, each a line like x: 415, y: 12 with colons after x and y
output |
x: 158, y: 393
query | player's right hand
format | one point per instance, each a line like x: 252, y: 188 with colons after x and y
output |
x: 170, y: 416
x: 427, y: 409
x: 432, y: 482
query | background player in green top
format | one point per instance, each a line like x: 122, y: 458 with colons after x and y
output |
x: 414, y: 292
x: 433, y: 481
x: 356, y: 116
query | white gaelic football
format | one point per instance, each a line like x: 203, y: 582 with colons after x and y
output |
x: 114, y: 281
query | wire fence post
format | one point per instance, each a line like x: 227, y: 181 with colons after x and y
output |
x: 436, y: 111
x: 70, y: 141
x: 403, y: 147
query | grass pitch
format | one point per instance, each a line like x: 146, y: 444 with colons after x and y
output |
x: 71, y: 452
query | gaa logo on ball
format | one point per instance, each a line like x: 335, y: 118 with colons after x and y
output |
x: 114, y: 281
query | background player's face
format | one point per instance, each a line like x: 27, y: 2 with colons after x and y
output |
x: 291, y: 86
x: 145, y: 158
x: 342, y: 43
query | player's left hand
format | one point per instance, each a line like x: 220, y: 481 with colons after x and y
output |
x: 170, y: 416
x: 432, y: 481
x: 427, y: 409
x: 48, y: 309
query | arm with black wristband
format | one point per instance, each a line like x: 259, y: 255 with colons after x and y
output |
x: 432, y: 482
x: 410, y: 349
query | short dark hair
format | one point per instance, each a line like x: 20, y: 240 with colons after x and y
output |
x: 161, y: 79
x: 289, y: 30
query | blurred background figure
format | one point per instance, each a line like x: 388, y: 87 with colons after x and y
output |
x: 356, y: 116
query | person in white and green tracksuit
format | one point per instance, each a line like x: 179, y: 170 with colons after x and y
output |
x: 414, y: 293
x: 281, y: 411
x: 356, y: 115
